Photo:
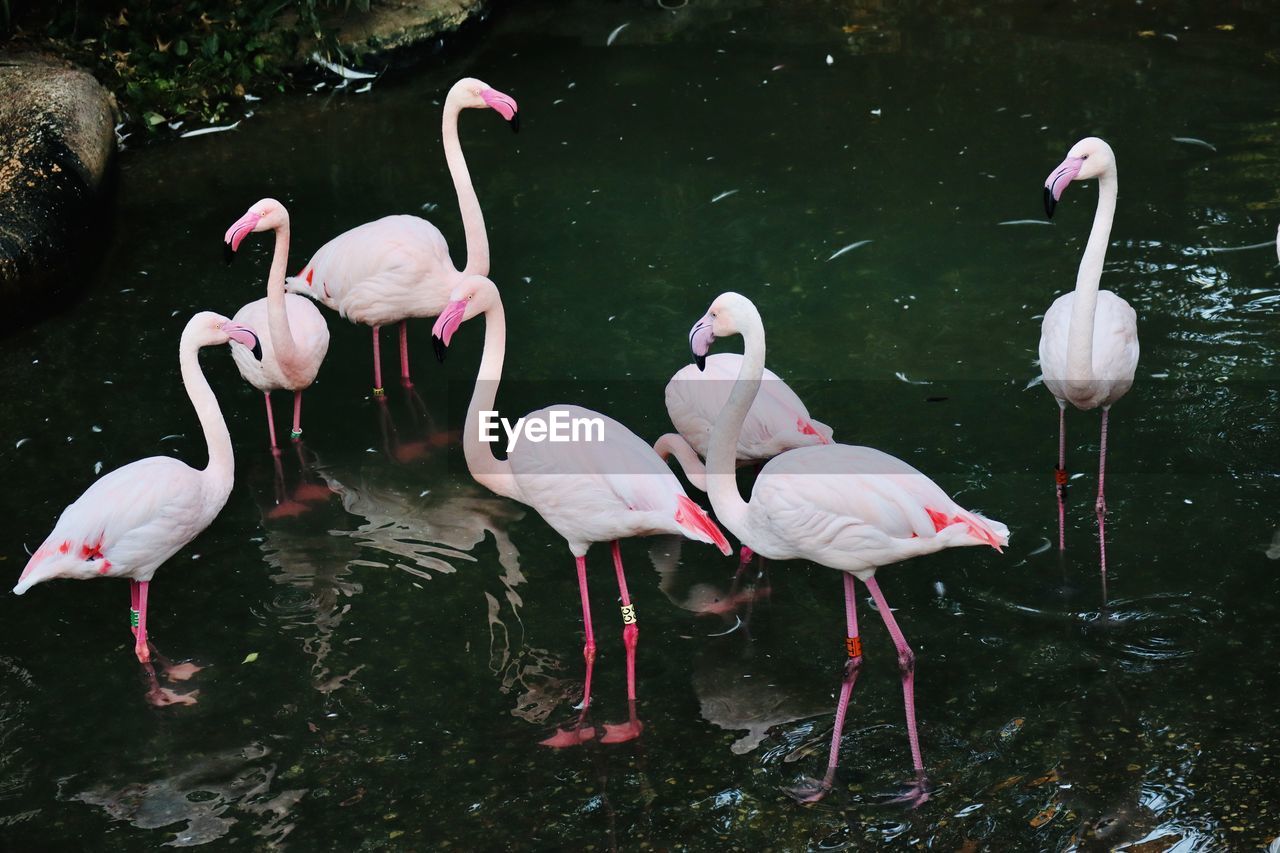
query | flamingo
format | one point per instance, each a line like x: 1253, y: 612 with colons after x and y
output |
x: 778, y: 420
x: 398, y: 267
x: 588, y: 491
x: 853, y: 509
x: 297, y: 336
x: 1089, y: 337
x: 129, y: 522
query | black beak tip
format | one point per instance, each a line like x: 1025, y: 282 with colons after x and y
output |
x: 440, y: 347
x: 257, y: 348
x: 700, y: 360
x: 1049, y: 202
x: 228, y: 253
x: 515, y: 123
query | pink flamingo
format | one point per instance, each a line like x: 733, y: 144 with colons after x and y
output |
x: 588, y: 491
x: 398, y: 267
x: 297, y: 336
x: 777, y: 422
x: 854, y: 509
x: 130, y: 521
x: 1089, y: 337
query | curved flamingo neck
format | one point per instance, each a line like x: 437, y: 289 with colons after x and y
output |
x: 722, y: 482
x: 1088, y: 278
x: 277, y: 316
x: 219, y: 473
x: 489, y: 471
x: 477, y: 262
x: 675, y: 445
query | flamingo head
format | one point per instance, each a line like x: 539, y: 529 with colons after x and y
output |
x: 208, y: 329
x: 264, y: 215
x: 722, y: 319
x: 1088, y: 158
x: 475, y: 295
x: 476, y: 94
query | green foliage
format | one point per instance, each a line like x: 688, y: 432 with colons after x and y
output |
x: 185, y: 59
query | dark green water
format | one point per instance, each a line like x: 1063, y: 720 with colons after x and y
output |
x: 416, y: 636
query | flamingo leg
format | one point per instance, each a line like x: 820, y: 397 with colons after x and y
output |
x: 1060, y: 477
x: 297, y: 416
x: 1100, y: 507
x: 581, y: 732
x: 629, y: 730
x: 812, y: 790
x: 404, y: 354
x: 133, y: 607
x: 271, y: 421
x: 140, y: 643
x: 377, y: 362
x: 907, y: 665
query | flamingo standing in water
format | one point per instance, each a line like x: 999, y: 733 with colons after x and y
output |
x: 132, y: 520
x: 398, y: 267
x: 295, y: 337
x: 854, y: 509
x: 1089, y: 337
x: 588, y: 491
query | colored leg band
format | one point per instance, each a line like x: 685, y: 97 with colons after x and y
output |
x: 296, y: 433
x: 628, y: 614
x: 378, y: 392
x: 853, y: 645
x: 1060, y: 476
x: 133, y: 618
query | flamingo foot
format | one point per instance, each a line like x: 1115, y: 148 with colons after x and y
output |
x: 288, y: 509
x: 622, y: 732
x: 914, y: 795
x: 141, y: 651
x: 564, y: 738
x: 810, y: 790
x: 313, y: 493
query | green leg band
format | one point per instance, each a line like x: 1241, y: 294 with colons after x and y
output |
x: 133, y: 618
x: 296, y: 433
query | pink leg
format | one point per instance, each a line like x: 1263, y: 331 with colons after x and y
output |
x: 629, y: 730
x: 133, y: 607
x: 811, y: 790
x: 140, y: 644
x: 581, y: 732
x: 297, y: 416
x: 404, y: 354
x: 1101, y: 505
x: 907, y: 665
x: 377, y: 363
x: 1060, y: 476
x: 271, y: 421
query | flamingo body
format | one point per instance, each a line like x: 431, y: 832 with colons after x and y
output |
x: 310, y: 338
x: 599, y: 491
x: 855, y: 509
x: 778, y: 420
x: 381, y: 272
x: 1114, y: 356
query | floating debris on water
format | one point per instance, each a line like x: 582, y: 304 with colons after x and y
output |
x: 1191, y: 140
x: 341, y: 70
x: 207, y: 130
x: 848, y: 248
x: 1025, y: 222
x: 722, y: 195
x: 614, y: 35
x: 902, y: 376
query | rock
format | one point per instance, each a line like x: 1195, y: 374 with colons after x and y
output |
x: 395, y: 25
x: 57, y: 137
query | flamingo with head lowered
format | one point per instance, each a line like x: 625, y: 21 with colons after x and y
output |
x: 607, y: 486
x: 295, y: 336
x: 1089, y: 337
x: 398, y: 267
x: 129, y: 522
x: 853, y: 509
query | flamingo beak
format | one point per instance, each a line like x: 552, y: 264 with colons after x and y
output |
x: 700, y: 340
x: 446, y: 324
x: 237, y: 232
x: 244, y: 336
x: 505, y: 105
x: 1058, y: 180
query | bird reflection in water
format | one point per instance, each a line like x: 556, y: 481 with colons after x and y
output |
x: 162, y: 697
x: 208, y: 795
x: 424, y: 437
x: 306, y: 495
